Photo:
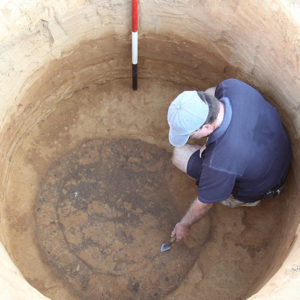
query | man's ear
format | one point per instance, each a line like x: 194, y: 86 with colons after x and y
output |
x: 209, y: 128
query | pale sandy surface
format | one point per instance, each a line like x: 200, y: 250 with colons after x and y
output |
x: 65, y: 79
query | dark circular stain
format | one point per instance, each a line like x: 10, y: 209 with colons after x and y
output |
x: 102, y: 213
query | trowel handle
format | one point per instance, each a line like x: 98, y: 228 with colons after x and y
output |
x: 172, y: 240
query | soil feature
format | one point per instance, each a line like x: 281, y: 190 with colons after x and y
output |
x: 101, y: 216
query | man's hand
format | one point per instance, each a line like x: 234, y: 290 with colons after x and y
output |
x: 180, y: 231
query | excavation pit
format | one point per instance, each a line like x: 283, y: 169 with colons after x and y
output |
x: 88, y: 192
x: 97, y: 212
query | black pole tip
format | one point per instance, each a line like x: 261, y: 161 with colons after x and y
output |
x: 134, y: 77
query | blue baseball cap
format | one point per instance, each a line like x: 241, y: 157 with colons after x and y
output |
x: 186, y: 114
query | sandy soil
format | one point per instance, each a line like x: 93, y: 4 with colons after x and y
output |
x: 93, y: 202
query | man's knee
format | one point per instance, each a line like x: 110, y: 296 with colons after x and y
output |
x: 177, y: 158
x: 181, y: 156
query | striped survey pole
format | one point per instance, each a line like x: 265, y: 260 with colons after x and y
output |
x: 134, y: 43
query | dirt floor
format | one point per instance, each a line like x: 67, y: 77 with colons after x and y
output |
x: 97, y: 196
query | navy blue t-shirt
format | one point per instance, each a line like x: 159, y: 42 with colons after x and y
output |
x: 249, y: 153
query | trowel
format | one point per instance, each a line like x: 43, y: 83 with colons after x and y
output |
x: 167, y: 246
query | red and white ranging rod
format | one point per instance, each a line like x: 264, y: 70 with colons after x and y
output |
x: 134, y: 43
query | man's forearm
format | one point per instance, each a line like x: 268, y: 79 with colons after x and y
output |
x: 196, y: 211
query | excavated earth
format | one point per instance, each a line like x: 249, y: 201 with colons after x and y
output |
x: 104, y: 206
x: 88, y: 191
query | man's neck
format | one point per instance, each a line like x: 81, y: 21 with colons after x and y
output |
x: 220, y: 116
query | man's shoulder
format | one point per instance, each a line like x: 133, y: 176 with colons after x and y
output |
x: 232, y: 82
x: 232, y: 88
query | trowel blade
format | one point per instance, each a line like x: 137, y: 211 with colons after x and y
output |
x: 167, y: 246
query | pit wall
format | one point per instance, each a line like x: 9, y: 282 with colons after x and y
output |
x: 255, y: 41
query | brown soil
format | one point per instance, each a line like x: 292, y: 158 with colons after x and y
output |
x: 95, y: 199
x: 102, y: 213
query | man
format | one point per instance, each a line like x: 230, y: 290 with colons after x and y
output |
x: 247, y: 153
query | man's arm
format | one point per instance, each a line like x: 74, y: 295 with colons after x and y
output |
x: 196, y: 211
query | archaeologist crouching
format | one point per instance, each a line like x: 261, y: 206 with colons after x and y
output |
x: 247, y: 153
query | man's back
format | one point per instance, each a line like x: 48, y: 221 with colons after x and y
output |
x: 254, y: 147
